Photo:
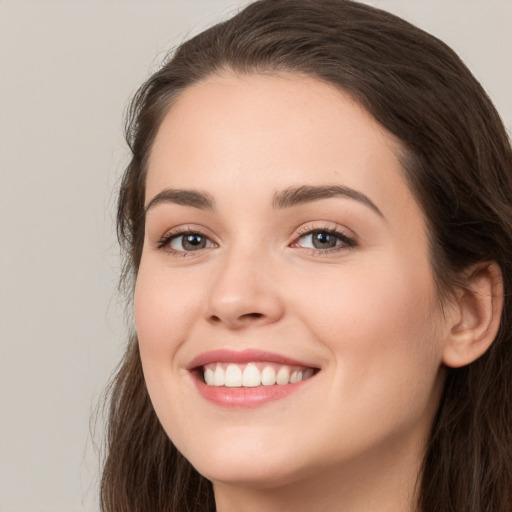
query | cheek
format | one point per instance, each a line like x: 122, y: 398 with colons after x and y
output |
x: 381, y: 325
x: 164, y: 309
x: 376, y: 306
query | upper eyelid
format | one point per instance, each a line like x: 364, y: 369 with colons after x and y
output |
x: 297, y: 233
x: 333, y: 227
x: 186, y: 229
x: 305, y: 230
x: 346, y: 240
x: 171, y: 234
x: 164, y: 244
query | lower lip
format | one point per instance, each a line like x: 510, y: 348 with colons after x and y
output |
x: 246, y: 397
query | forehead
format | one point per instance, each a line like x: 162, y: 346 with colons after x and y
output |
x: 233, y: 133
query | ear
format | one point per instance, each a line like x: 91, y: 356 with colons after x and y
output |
x: 477, y: 309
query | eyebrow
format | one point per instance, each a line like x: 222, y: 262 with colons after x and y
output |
x: 304, y: 194
x: 287, y: 198
x: 184, y: 197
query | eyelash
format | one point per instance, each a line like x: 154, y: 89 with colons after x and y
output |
x: 346, y: 242
x: 164, y: 242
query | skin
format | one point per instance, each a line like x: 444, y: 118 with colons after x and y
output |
x: 352, y: 438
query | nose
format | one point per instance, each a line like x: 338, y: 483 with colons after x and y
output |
x: 245, y: 292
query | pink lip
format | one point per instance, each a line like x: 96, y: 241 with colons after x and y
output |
x: 243, y: 356
x: 246, y: 397
x: 243, y: 397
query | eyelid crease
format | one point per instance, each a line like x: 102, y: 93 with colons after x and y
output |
x: 171, y: 234
x: 348, y: 241
x: 335, y: 229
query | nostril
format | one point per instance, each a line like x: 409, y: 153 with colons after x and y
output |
x: 254, y: 315
x: 241, y: 318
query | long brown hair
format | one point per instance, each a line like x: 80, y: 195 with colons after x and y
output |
x: 458, y: 161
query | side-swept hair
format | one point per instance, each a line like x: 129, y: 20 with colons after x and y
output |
x: 457, y: 159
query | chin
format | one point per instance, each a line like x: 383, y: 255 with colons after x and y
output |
x: 251, y: 463
x: 255, y: 474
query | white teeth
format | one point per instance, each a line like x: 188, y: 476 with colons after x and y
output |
x: 233, y: 378
x: 252, y: 375
x: 268, y: 376
x: 283, y: 375
x: 219, y: 376
x: 209, y: 377
x: 295, y: 376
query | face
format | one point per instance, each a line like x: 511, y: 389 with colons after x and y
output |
x: 283, y: 244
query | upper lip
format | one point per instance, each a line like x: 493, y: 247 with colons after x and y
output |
x: 243, y: 356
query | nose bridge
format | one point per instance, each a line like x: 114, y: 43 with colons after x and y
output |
x: 243, y: 292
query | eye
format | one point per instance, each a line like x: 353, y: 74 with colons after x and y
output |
x: 184, y: 242
x: 324, y: 240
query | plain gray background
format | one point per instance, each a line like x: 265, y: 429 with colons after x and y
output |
x: 67, y: 70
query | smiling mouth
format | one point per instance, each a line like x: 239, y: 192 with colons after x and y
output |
x: 248, y: 378
x: 253, y: 374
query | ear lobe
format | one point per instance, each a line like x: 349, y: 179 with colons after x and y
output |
x: 479, y: 305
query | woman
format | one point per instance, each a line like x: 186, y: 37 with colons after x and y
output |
x: 318, y: 228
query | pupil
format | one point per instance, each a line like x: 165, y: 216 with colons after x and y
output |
x: 193, y: 242
x: 323, y: 240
